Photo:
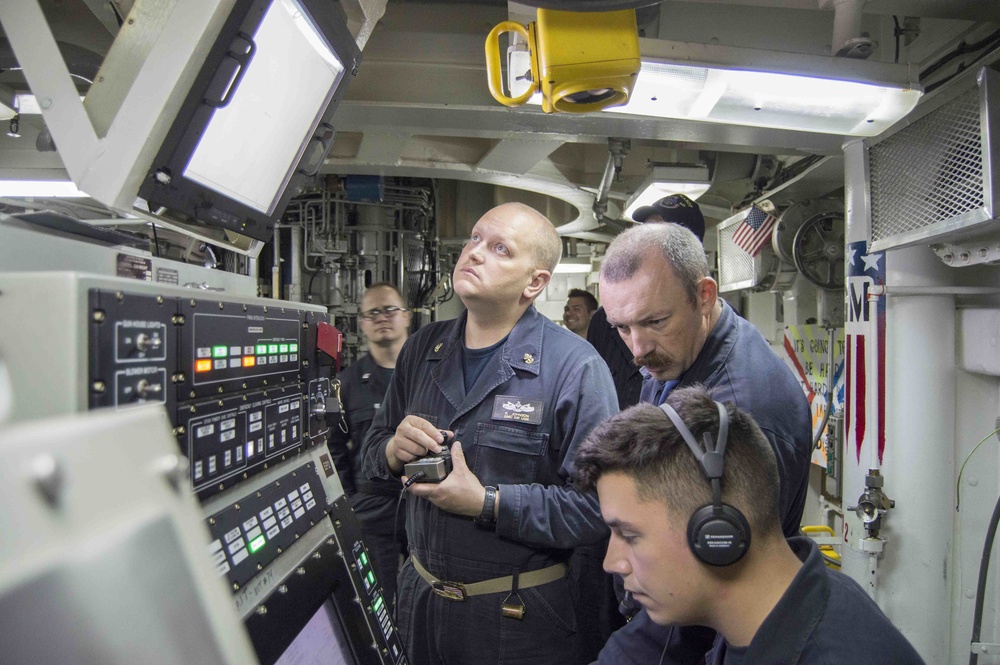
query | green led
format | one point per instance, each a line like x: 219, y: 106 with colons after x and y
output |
x: 283, y: 348
x: 256, y: 544
x: 261, y: 349
x: 377, y: 605
x: 220, y: 351
x: 371, y: 577
x: 272, y: 348
x: 293, y: 348
x: 363, y: 558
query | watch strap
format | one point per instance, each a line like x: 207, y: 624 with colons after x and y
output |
x: 487, y: 518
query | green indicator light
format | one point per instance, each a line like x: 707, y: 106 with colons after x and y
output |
x: 364, y: 559
x: 220, y: 351
x: 378, y: 604
x: 256, y: 544
x: 371, y: 577
x: 292, y: 348
x: 283, y: 348
x: 261, y: 349
x: 272, y: 348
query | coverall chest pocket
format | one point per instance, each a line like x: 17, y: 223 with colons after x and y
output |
x: 507, y: 455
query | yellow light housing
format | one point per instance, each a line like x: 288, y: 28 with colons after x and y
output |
x: 580, y: 62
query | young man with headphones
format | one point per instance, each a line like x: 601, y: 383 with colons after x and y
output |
x: 690, y: 492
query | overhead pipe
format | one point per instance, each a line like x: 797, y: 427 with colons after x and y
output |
x: 617, y: 149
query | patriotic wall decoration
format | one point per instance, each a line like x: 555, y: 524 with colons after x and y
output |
x: 865, y: 409
x: 754, y: 231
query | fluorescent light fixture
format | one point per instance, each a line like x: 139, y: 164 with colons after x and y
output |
x: 767, y: 99
x: 780, y: 90
x: 572, y: 264
x: 40, y: 189
x: 693, y: 181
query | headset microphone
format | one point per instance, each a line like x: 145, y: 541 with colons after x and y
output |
x: 718, y: 534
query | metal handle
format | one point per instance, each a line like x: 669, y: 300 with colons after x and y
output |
x: 241, y: 62
x: 494, y: 76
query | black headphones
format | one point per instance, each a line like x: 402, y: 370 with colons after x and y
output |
x: 718, y: 534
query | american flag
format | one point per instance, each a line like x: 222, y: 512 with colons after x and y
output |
x: 865, y: 409
x: 754, y: 231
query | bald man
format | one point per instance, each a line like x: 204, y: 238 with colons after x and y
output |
x: 487, y: 579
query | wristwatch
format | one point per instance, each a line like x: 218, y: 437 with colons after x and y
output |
x: 487, y: 519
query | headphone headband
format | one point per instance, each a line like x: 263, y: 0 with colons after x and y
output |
x: 718, y: 534
x: 709, y: 457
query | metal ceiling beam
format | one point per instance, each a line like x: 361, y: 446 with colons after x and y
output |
x: 499, y: 122
x: 517, y: 155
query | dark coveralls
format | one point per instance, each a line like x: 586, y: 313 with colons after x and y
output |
x: 363, y: 387
x: 823, y: 617
x: 737, y: 365
x: 610, y: 345
x: 520, y: 426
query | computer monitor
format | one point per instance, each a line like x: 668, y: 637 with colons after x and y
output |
x: 321, y: 641
x: 257, y: 119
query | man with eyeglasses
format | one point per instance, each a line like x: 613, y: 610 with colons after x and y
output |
x: 487, y: 578
x: 385, y: 324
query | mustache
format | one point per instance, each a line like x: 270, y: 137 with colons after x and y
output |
x: 651, y: 358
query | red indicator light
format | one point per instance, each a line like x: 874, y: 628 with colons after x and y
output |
x: 202, y: 365
x: 249, y: 361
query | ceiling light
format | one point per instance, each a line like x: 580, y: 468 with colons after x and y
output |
x: 781, y: 90
x: 692, y: 181
x: 767, y: 99
x: 572, y: 264
x: 40, y: 189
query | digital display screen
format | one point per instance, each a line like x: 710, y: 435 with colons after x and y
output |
x: 286, y: 87
x: 320, y: 642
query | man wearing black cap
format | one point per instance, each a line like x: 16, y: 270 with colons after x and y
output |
x: 677, y: 209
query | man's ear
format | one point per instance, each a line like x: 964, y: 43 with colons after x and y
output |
x: 539, y: 280
x: 708, y: 294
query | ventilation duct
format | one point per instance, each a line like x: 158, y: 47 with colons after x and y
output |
x: 936, y: 180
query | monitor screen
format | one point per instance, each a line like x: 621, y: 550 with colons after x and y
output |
x: 287, y: 83
x: 258, y: 118
x: 320, y: 642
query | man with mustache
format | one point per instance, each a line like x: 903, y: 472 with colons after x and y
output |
x: 676, y: 209
x: 487, y: 579
x: 659, y: 295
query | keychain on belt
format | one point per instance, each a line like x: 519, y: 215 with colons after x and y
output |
x: 511, y: 609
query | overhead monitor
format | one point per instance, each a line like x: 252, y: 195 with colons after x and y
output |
x: 257, y: 119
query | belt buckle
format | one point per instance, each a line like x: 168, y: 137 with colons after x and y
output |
x: 449, y: 590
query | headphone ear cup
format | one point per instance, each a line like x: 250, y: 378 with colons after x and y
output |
x: 718, y: 535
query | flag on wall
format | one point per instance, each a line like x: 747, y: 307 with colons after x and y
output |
x: 866, y: 321
x: 754, y: 231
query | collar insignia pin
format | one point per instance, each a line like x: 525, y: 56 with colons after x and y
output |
x: 528, y: 358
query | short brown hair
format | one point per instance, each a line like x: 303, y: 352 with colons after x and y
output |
x: 643, y: 443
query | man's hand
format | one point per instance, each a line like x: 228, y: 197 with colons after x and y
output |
x: 414, y: 438
x: 460, y: 493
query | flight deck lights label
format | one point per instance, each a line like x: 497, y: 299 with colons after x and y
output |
x: 518, y: 409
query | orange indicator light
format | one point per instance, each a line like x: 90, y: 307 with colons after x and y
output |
x: 249, y: 361
x: 202, y: 365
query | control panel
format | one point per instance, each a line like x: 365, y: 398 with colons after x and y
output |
x: 244, y: 387
x: 237, y: 379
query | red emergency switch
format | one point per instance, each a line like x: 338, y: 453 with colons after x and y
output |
x: 330, y: 341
